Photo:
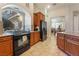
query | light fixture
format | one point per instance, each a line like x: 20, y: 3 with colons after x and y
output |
x: 48, y: 6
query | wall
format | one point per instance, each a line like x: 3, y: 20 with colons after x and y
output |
x: 70, y: 18
x: 54, y: 13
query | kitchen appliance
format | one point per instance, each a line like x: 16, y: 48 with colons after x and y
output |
x: 43, y: 30
x: 21, y: 43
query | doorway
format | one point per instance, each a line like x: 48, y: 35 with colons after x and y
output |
x: 57, y: 25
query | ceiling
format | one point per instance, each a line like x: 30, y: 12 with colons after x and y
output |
x: 52, y: 5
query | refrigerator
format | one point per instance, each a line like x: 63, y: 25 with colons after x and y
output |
x: 43, y: 30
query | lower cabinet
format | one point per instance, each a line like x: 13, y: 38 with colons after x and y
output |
x: 72, y: 48
x: 68, y: 44
x: 32, y: 38
x: 68, y: 47
x: 75, y: 50
x: 60, y: 41
x: 6, y: 47
x: 35, y: 37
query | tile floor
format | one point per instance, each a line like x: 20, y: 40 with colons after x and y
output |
x: 46, y: 48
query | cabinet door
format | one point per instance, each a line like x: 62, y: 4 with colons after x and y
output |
x: 1, y: 49
x: 35, y: 19
x: 60, y: 41
x: 38, y: 20
x: 72, y: 47
x: 6, y: 48
x: 32, y: 38
x: 75, y: 49
x: 68, y: 47
x: 37, y: 37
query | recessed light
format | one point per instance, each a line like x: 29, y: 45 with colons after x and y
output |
x: 48, y: 6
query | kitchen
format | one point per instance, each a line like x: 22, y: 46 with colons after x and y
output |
x: 25, y: 29
x: 17, y: 35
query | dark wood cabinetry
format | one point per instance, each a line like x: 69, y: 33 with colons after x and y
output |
x: 70, y: 43
x: 32, y: 38
x: 71, y: 48
x: 6, y: 47
x: 60, y: 41
x: 35, y: 37
x: 37, y: 18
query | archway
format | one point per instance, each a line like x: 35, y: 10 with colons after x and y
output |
x: 11, y: 12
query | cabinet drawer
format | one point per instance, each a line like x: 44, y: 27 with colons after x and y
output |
x: 2, y: 39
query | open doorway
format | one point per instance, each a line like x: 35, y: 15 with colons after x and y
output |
x: 57, y: 25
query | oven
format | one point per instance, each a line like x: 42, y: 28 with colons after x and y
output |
x: 21, y: 43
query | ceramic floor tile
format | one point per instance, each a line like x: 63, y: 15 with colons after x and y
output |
x: 46, y: 48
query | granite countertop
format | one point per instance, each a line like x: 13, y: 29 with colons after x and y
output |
x: 35, y: 31
x: 5, y: 34
x: 75, y: 34
x: 9, y: 34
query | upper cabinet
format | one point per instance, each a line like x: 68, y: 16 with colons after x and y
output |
x: 40, y: 16
x: 37, y: 18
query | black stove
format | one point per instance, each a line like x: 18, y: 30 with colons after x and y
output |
x: 21, y: 42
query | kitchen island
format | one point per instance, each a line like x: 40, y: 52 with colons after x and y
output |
x: 68, y: 42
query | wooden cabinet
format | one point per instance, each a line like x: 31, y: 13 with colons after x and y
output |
x: 35, y: 37
x: 67, y: 44
x: 37, y: 18
x: 70, y: 44
x: 6, y: 46
x: 60, y: 40
x: 32, y: 38
x: 75, y: 49
x: 72, y: 48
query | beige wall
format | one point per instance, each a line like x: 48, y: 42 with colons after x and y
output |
x: 54, y: 13
x: 69, y: 17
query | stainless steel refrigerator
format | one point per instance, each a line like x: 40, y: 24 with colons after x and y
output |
x: 43, y: 30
